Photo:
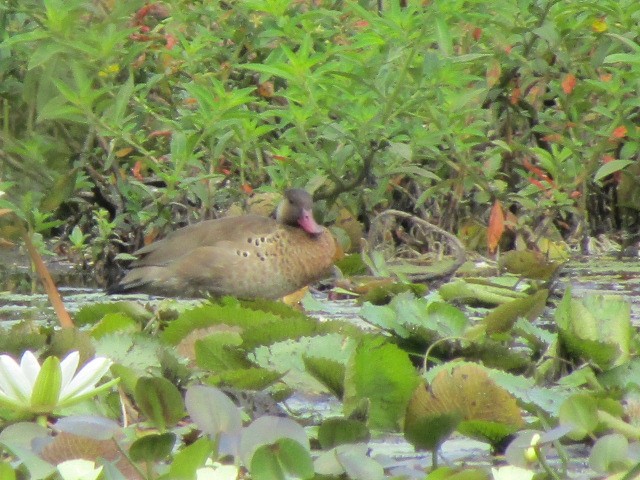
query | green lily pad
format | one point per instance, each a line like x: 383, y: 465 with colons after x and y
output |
x: 381, y: 374
x: 285, y: 459
x: 160, y: 401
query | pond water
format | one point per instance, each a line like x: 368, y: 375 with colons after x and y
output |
x: 584, y: 276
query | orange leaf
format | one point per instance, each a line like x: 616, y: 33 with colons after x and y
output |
x: 246, y: 188
x: 137, y: 168
x: 619, y: 132
x: 496, y: 226
x: 568, y: 83
x: 516, y: 93
x: 537, y: 183
x: 552, y: 137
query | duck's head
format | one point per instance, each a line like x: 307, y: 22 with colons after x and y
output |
x: 296, y: 210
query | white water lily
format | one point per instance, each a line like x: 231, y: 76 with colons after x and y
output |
x: 79, y: 469
x: 509, y: 472
x: 29, y: 387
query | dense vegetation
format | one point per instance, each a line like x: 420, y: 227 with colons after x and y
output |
x: 123, y: 118
x: 507, y: 123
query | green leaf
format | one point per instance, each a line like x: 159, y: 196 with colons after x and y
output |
x: 350, y: 460
x: 113, y: 323
x: 503, y: 317
x: 119, y: 106
x: 597, y: 328
x: 284, y: 460
x: 610, y: 454
x: 580, y: 411
x: 18, y: 439
x: 153, y: 447
x: 381, y: 374
x: 492, y: 432
x: 611, y: 167
x: 252, y: 378
x: 216, y: 352
x: 329, y: 372
x: 160, y: 401
x: 6, y: 471
x: 60, y: 191
x: 189, y: 458
x: 91, y: 314
x: 337, y: 431
x: 268, y: 430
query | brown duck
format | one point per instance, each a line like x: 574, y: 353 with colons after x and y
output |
x: 246, y: 257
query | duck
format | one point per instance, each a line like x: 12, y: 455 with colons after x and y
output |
x: 247, y: 257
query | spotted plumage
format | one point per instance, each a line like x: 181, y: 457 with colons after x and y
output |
x: 247, y: 257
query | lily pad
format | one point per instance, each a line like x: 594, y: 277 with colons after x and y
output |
x: 465, y: 393
x: 381, y: 374
x: 596, y: 328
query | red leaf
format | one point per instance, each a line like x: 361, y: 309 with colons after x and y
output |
x: 170, y: 41
x: 496, y: 226
x: 568, y: 83
x: 246, y: 188
x: 160, y: 133
x: 477, y: 33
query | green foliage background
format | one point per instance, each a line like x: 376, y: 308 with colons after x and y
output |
x: 155, y: 112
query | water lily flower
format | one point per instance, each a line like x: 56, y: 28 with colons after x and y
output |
x: 509, y: 472
x: 30, y: 388
x: 79, y: 469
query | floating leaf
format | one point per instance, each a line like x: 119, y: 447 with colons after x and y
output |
x: 580, y: 412
x: 215, y: 414
x: 97, y: 428
x: 598, y: 328
x: 285, y: 459
x: 350, y: 460
x: 470, y: 291
x: 152, y: 447
x: 216, y: 351
x: 610, y: 454
x: 464, y: 393
x: 382, y: 374
x: 267, y: 430
x: 18, y: 439
x: 253, y: 378
x: 68, y: 446
x: 189, y: 458
x: 503, y: 317
x: 337, y: 431
x: 528, y: 264
x: 160, y: 401
x: 288, y: 358
x: 329, y: 372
